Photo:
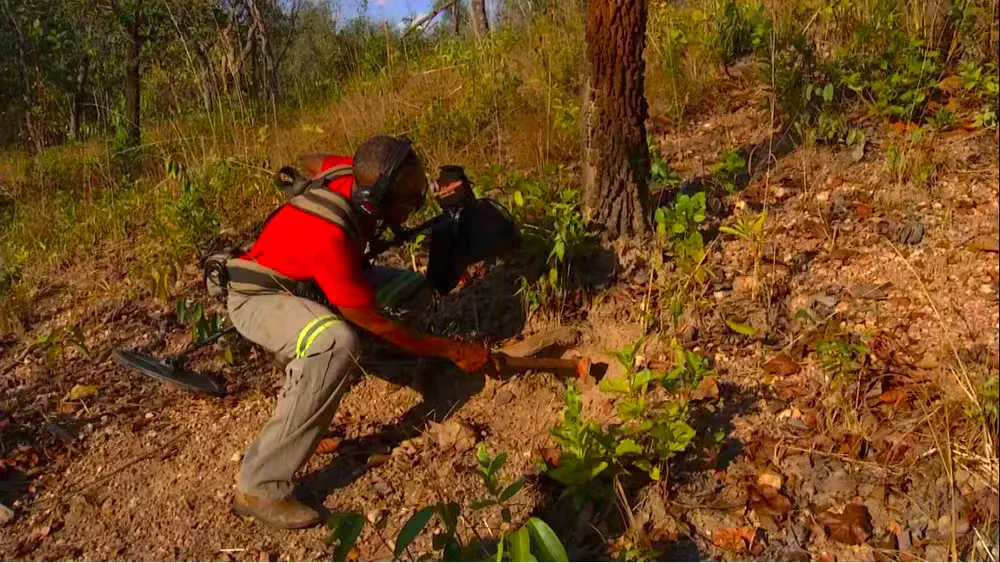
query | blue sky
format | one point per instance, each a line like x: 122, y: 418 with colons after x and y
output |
x: 392, y: 10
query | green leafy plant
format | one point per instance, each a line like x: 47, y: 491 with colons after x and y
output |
x: 742, y: 28
x: 941, y: 120
x: 989, y: 398
x: 651, y: 428
x: 160, y: 278
x: 185, y: 219
x: 52, y: 345
x: 553, y: 228
x: 841, y: 359
x: 203, y: 325
x: 680, y: 224
x: 684, y: 217
x: 659, y: 169
x: 748, y: 227
x: 533, y: 541
x: 727, y: 171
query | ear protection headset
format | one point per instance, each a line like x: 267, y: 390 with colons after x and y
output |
x: 370, y: 199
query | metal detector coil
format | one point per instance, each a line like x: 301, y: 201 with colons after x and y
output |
x: 169, y: 372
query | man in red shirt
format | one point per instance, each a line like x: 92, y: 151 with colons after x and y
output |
x: 301, y: 244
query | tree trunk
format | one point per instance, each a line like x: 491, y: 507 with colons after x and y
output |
x: 456, y: 12
x: 22, y: 78
x: 480, y: 24
x: 132, y: 70
x: 937, y: 26
x: 616, y: 188
x: 79, y: 90
x: 270, y: 69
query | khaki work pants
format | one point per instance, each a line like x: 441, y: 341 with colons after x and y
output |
x: 321, y: 350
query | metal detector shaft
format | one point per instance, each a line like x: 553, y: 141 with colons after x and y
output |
x: 406, y: 235
x: 179, y: 357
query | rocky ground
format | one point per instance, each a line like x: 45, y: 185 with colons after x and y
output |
x: 882, y: 462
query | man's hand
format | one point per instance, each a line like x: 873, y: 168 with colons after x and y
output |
x: 470, y: 358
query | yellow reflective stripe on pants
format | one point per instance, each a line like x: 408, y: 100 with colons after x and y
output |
x: 311, y: 331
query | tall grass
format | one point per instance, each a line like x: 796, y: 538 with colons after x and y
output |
x: 510, y: 99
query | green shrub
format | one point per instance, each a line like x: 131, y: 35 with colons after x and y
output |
x: 651, y: 427
x: 187, y: 221
x: 533, y: 541
x: 680, y: 225
x: 842, y: 359
x: 741, y: 29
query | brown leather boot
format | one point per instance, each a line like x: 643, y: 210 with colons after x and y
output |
x: 285, y: 513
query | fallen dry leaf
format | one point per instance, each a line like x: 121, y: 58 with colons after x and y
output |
x: 950, y: 84
x: 897, y: 396
x: 826, y: 557
x: 378, y: 459
x: 769, y: 500
x: 328, y: 445
x: 707, y: 389
x: 781, y: 364
x: 738, y: 540
x: 550, y: 456
x: 770, y: 479
x: 864, y: 210
x: 968, y: 125
x: 904, y: 127
x: 79, y: 392
x: 452, y: 434
x: 853, y: 526
x: 852, y: 446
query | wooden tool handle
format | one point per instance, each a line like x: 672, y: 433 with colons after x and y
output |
x: 538, y: 363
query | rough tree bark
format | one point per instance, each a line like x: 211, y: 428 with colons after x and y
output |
x: 270, y: 68
x: 79, y: 91
x: 616, y: 188
x: 480, y: 23
x: 133, y: 43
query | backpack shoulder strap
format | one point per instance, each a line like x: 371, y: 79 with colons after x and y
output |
x: 329, y: 206
x: 312, y: 196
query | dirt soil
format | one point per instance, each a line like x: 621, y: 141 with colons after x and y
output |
x: 887, y: 466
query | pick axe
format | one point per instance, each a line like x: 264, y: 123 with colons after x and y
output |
x: 581, y: 367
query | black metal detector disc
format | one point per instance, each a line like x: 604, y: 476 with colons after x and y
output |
x: 175, y: 375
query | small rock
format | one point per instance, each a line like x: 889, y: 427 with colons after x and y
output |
x: 149, y: 416
x: 376, y: 515
x: 928, y: 361
x: 868, y: 291
x: 986, y: 289
x: 936, y: 552
x: 6, y: 514
x: 503, y: 396
x: 825, y: 300
x: 745, y: 284
x: 985, y: 243
x: 382, y: 488
x: 237, y: 457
